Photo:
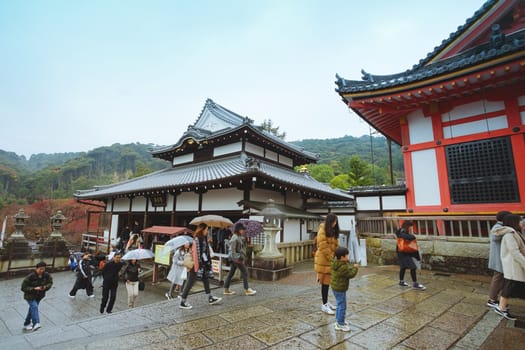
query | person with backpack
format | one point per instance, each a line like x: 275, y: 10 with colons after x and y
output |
x: 34, y: 287
x: 84, y: 277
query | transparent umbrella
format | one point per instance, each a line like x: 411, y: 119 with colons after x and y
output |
x: 138, y: 254
x: 175, y: 243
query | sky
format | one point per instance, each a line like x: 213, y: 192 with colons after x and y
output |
x: 77, y: 75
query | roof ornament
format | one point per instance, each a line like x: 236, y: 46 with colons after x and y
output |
x: 497, y: 39
x: 367, y: 76
x: 252, y: 163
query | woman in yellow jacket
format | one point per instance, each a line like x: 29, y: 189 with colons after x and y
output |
x: 326, y: 244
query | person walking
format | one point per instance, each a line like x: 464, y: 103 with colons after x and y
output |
x: 513, y: 263
x: 34, y: 287
x: 237, y: 256
x: 327, y: 235
x: 496, y: 284
x: 131, y: 273
x: 178, y: 272
x: 84, y: 277
x: 202, y: 267
x: 406, y: 260
x: 124, y: 238
x: 110, y: 273
x: 342, y: 272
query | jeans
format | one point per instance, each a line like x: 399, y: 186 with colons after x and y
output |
x: 192, y: 277
x: 32, y: 313
x: 340, y: 311
x: 244, y: 274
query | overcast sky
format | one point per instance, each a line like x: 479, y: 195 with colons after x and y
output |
x: 77, y: 75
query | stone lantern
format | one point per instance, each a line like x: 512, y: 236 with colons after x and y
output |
x: 270, y: 264
x: 56, y: 223
x: 272, y: 218
x: 20, y: 222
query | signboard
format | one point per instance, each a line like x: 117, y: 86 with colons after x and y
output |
x: 160, y: 258
x: 215, y: 265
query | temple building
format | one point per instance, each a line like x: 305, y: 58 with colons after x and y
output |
x: 224, y: 164
x: 458, y: 114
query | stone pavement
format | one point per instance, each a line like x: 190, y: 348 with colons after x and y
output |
x: 450, y: 314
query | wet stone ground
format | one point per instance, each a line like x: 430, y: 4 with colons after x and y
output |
x: 450, y: 314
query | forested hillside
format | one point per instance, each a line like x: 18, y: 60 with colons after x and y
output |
x: 344, y: 162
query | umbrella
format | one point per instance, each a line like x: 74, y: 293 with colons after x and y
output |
x: 138, y: 254
x: 251, y: 227
x: 212, y: 221
x: 353, y: 247
x: 175, y: 243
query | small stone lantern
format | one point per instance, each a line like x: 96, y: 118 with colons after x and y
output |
x: 56, y: 223
x: 272, y: 217
x: 20, y: 222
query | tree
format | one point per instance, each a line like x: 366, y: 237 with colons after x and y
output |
x: 267, y: 125
x: 341, y: 181
x: 322, y: 172
x: 360, y: 174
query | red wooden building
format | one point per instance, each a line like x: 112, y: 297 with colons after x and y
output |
x: 459, y: 115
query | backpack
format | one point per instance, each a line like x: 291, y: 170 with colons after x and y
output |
x: 73, y: 264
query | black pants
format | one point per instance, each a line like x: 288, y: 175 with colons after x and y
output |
x: 82, y: 283
x: 192, y: 277
x: 108, y: 291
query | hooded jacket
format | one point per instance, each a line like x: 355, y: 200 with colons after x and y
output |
x: 495, y: 248
x: 325, y: 251
x: 512, y: 253
x: 342, y: 272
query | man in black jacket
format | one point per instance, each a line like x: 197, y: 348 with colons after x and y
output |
x: 110, y: 273
x: 34, y: 287
x: 84, y: 277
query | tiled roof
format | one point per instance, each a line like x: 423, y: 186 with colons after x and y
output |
x: 498, y: 46
x: 189, y: 176
x: 487, y: 52
x: 237, y: 122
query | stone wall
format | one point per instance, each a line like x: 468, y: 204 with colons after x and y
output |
x: 445, y: 254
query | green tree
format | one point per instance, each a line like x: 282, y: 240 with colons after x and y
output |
x: 268, y: 126
x: 341, y: 181
x: 322, y: 172
x: 360, y: 172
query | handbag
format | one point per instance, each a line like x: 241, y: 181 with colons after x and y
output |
x: 141, y: 285
x: 406, y: 246
x: 188, y: 261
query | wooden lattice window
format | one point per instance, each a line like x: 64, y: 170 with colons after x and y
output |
x: 482, y: 172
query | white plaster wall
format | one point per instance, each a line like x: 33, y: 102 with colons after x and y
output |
x: 227, y: 149
x: 394, y: 203
x: 521, y: 102
x: 420, y: 127
x: 292, y: 231
x: 187, y: 201
x: 259, y: 195
x: 293, y: 199
x: 473, y: 108
x: 250, y: 147
x: 426, y: 185
x: 475, y: 127
x: 345, y: 222
x: 121, y: 205
x: 285, y: 160
x: 271, y: 155
x: 138, y: 204
x: 225, y: 199
x: 113, y: 229
x: 367, y: 203
x: 186, y: 158
x: 169, y: 202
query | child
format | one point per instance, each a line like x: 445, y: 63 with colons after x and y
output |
x: 175, y: 276
x: 342, y: 272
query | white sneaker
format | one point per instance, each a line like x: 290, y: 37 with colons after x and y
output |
x: 28, y: 327
x: 36, y: 326
x: 331, y: 306
x: 342, y: 327
x: 250, y: 291
x: 327, y: 310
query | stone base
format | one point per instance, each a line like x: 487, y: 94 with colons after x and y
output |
x: 54, y: 247
x: 267, y: 274
x: 276, y: 263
